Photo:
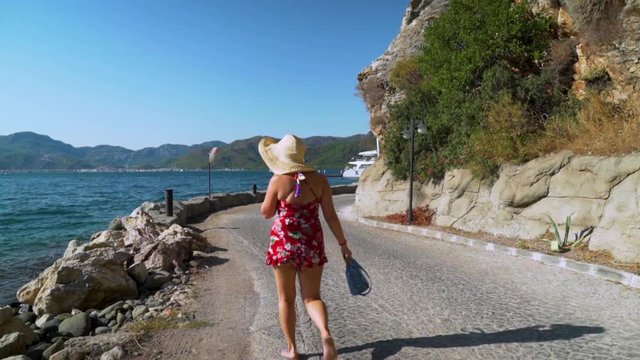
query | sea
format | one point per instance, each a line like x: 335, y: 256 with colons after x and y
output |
x: 40, y: 212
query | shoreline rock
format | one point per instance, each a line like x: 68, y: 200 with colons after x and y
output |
x: 136, y: 270
x: 98, y: 287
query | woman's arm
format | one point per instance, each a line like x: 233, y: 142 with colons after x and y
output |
x: 268, y: 207
x: 331, y: 217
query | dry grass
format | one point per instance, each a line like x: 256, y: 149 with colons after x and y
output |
x: 600, y: 128
x: 595, y: 74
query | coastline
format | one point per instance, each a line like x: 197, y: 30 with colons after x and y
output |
x: 136, y: 271
x: 42, y: 212
x: 165, y: 305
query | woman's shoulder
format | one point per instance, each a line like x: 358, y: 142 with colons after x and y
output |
x: 315, y: 176
x: 282, y: 177
x: 281, y: 181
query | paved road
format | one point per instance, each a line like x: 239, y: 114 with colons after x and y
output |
x: 436, y: 300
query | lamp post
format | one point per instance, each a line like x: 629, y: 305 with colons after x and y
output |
x: 409, y: 133
x: 212, y: 156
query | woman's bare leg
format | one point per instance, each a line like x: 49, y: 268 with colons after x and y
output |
x: 310, y: 287
x: 286, y: 285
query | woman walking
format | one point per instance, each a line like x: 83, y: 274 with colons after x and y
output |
x: 295, y: 193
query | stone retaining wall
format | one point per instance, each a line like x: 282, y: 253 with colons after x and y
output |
x: 603, y: 192
x: 185, y: 210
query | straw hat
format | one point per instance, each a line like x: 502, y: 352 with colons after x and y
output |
x: 284, y: 156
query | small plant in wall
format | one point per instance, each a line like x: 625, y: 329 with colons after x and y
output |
x: 582, y: 236
x: 563, y: 243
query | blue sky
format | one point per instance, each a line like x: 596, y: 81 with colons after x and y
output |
x: 145, y: 73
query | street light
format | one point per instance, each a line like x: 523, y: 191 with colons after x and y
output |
x: 408, y: 133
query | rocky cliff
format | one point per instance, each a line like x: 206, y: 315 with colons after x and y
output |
x: 373, y: 82
x: 606, y: 33
x: 596, y: 191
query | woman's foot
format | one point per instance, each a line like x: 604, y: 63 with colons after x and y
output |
x: 288, y: 354
x: 329, y: 349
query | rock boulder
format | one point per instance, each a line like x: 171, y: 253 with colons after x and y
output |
x: 77, y: 325
x: 85, y: 280
x: 139, y: 228
x: 619, y: 226
x: 174, y: 246
x: 15, y: 325
x: 519, y: 186
x: 12, y: 344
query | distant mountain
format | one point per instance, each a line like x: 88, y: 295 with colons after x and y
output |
x: 154, y: 157
x: 333, y: 153
x: 27, y: 150
x: 324, y: 152
x: 106, y: 155
x: 31, y: 151
x: 240, y: 154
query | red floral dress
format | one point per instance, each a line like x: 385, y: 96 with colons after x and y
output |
x: 296, y: 236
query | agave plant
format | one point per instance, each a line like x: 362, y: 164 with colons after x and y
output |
x: 560, y: 243
x: 582, y: 236
x: 563, y: 243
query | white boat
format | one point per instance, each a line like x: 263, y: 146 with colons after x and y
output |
x: 359, y: 164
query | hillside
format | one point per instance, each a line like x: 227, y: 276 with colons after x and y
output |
x: 532, y: 114
x: 324, y: 152
x: 504, y: 81
x: 27, y: 150
x: 31, y: 151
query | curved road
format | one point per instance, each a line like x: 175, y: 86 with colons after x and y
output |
x: 430, y: 300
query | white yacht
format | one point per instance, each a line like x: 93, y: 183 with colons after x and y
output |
x: 357, y: 165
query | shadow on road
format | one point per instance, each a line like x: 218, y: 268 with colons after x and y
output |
x: 211, y: 249
x: 220, y: 228
x: 537, y: 333
x: 212, y: 261
x: 207, y: 259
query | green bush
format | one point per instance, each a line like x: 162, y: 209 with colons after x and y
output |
x: 481, y: 71
x: 503, y: 138
x: 474, y: 35
x: 395, y: 147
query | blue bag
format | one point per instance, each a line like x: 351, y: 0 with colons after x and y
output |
x: 357, y: 278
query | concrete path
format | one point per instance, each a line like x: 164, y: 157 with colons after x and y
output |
x: 430, y: 300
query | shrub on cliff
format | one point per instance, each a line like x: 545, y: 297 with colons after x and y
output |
x: 477, y: 56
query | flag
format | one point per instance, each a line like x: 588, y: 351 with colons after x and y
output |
x: 212, y: 154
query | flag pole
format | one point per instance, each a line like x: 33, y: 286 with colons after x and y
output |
x: 212, y: 155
